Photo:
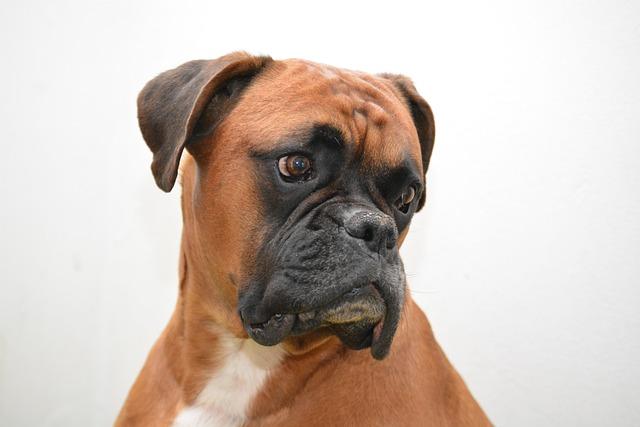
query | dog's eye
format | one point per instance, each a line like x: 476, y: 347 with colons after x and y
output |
x: 295, y: 166
x: 404, y: 201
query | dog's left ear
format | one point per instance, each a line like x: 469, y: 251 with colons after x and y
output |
x: 188, y: 102
x: 422, y: 118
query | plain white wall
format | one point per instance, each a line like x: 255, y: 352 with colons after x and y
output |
x: 526, y: 258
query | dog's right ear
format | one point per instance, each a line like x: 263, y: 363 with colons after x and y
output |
x: 190, y: 101
x: 422, y: 119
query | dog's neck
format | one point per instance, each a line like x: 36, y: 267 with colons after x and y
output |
x: 241, y: 369
x: 221, y: 373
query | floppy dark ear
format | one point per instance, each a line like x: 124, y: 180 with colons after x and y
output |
x: 187, y: 102
x: 422, y: 118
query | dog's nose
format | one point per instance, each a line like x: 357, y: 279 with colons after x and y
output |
x: 377, y: 230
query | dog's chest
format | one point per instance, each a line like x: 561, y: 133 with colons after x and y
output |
x: 226, y: 398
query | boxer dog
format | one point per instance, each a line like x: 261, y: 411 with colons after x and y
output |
x: 299, y: 182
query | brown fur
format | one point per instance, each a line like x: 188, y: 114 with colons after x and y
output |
x: 320, y: 380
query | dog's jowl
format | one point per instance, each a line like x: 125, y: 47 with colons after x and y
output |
x: 299, y: 182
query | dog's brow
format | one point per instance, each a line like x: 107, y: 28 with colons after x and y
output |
x: 304, y: 138
x: 329, y: 133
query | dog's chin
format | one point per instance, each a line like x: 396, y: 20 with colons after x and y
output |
x: 352, y: 317
x: 356, y: 318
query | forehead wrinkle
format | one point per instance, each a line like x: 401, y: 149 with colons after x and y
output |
x: 380, y: 130
x: 358, y: 104
x: 370, y: 115
x: 361, y: 126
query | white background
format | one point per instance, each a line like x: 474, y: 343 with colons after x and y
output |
x: 526, y: 259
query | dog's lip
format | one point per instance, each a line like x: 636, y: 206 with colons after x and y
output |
x: 338, y: 313
x: 350, y: 307
x: 343, y: 302
x: 310, y: 316
x: 273, y: 330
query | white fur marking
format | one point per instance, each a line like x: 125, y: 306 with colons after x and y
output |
x: 225, y: 399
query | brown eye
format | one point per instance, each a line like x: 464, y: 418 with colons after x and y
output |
x: 404, y: 202
x: 408, y: 195
x: 294, y: 166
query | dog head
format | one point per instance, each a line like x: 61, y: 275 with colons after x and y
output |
x: 305, y: 180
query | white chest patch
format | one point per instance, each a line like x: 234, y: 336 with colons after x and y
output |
x: 225, y: 399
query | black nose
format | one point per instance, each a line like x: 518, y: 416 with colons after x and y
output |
x: 377, y: 230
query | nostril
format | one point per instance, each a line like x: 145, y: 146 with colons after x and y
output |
x: 367, y: 236
x: 391, y: 242
x: 376, y: 230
